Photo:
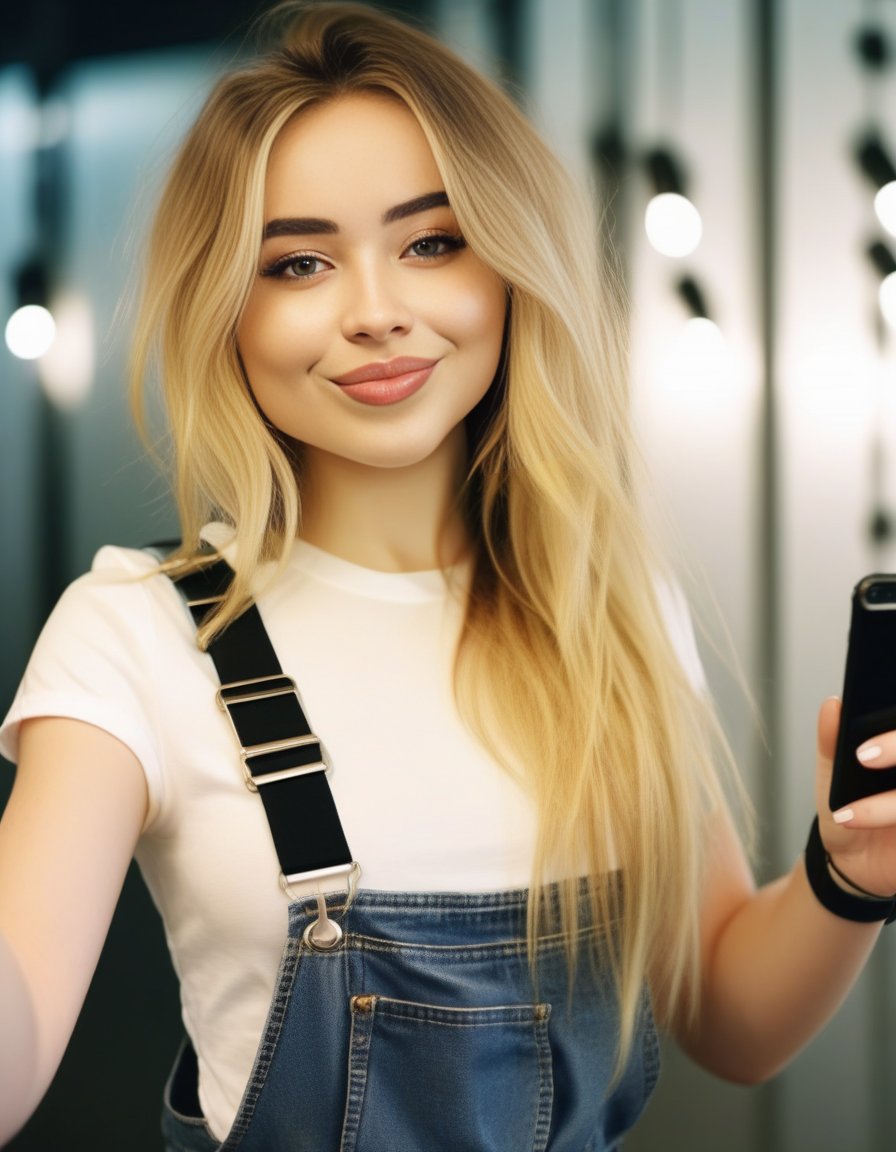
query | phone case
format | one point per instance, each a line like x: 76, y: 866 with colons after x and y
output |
x: 869, y: 690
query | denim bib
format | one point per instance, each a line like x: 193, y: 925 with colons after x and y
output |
x: 401, y: 1022
x: 423, y: 1031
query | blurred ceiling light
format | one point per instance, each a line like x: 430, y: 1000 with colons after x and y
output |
x: 67, y: 370
x: 672, y: 223
x: 885, y: 264
x: 699, y: 358
x: 875, y: 162
x: 887, y: 298
x: 701, y: 353
x: 704, y: 338
x: 692, y: 295
x: 30, y: 332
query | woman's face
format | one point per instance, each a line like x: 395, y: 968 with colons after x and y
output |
x: 371, y: 330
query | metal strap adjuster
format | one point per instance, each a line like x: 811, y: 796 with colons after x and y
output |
x: 254, y: 780
x: 259, y: 688
x: 266, y: 688
x: 324, y: 934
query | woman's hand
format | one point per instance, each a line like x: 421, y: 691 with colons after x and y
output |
x: 861, y: 838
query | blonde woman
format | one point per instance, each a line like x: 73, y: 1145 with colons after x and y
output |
x: 396, y: 386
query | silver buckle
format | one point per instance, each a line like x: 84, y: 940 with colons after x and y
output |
x: 324, y: 934
x: 277, y: 686
x: 254, y: 782
x: 265, y: 688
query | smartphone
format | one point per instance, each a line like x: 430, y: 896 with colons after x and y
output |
x: 869, y: 690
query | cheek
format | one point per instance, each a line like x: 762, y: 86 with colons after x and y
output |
x: 275, y: 337
x: 478, y: 315
x: 253, y: 340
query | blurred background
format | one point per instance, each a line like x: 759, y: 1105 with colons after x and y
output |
x: 741, y: 151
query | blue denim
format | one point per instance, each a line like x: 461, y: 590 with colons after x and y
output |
x: 423, y: 1031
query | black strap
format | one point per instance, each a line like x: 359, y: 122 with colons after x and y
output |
x: 864, y: 909
x: 284, y: 761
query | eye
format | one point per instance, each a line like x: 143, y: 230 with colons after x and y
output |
x: 435, y: 244
x: 301, y: 266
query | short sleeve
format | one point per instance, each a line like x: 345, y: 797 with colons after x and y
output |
x: 95, y: 660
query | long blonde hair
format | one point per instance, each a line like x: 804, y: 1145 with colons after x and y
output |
x: 565, y: 668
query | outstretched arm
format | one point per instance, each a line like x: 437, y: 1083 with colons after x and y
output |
x: 66, y: 838
x: 776, y: 965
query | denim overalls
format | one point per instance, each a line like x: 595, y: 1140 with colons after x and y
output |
x: 421, y: 1030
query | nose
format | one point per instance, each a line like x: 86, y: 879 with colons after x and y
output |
x: 375, y: 307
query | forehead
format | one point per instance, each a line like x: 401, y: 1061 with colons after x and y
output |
x: 358, y: 149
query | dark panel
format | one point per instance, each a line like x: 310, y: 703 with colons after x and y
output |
x: 50, y: 33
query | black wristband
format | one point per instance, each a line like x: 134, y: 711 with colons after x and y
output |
x: 863, y: 909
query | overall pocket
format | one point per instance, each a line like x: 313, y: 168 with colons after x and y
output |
x: 464, y: 1079
x: 183, y: 1126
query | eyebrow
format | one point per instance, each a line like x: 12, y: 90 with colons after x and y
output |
x: 317, y: 226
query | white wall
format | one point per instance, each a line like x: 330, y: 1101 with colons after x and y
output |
x: 701, y: 428
x: 699, y: 418
x: 834, y: 390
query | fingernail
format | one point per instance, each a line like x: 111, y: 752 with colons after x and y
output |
x: 869, y: 752
x: 843, y: 815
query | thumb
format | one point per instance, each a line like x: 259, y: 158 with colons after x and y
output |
x: 828, y: 727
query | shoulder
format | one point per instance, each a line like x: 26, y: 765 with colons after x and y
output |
x: 121, y: 581
x: 113, y: 559
x: 122, y: 599
x: 99, y: 657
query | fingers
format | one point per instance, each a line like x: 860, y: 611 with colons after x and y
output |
x: 872, y: 812
x: 828, y: 725
x: 878, y: 752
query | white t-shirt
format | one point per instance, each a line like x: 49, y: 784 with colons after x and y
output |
x: 423, y: 805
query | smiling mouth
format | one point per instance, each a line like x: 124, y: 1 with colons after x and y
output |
x: 386, y: 382
x: 384, y: 370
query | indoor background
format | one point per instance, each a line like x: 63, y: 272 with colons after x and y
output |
x: 764, y: 386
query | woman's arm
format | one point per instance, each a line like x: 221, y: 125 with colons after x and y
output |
x: 66, y: 838
x: 776, y: 965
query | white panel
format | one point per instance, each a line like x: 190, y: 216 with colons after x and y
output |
x: 698, y: 416
x: 834, y: 391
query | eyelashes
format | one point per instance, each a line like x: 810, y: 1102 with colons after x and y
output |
x: 279, y: 269
x: 308, y: 265
x: 448, y: 242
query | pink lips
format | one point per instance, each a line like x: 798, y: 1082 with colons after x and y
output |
x: 386, y: 382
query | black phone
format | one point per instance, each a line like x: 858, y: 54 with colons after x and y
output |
x: 869, y: 690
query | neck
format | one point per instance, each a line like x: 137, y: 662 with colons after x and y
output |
x: 392, y: 519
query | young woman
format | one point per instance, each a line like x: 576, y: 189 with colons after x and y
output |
x: 395, y: 378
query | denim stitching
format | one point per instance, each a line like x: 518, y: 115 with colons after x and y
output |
x: 266, y: 1048
x: 360, y: 1046
x: 545, y: 1080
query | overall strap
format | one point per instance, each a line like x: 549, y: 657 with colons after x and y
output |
x: 283, y: 760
